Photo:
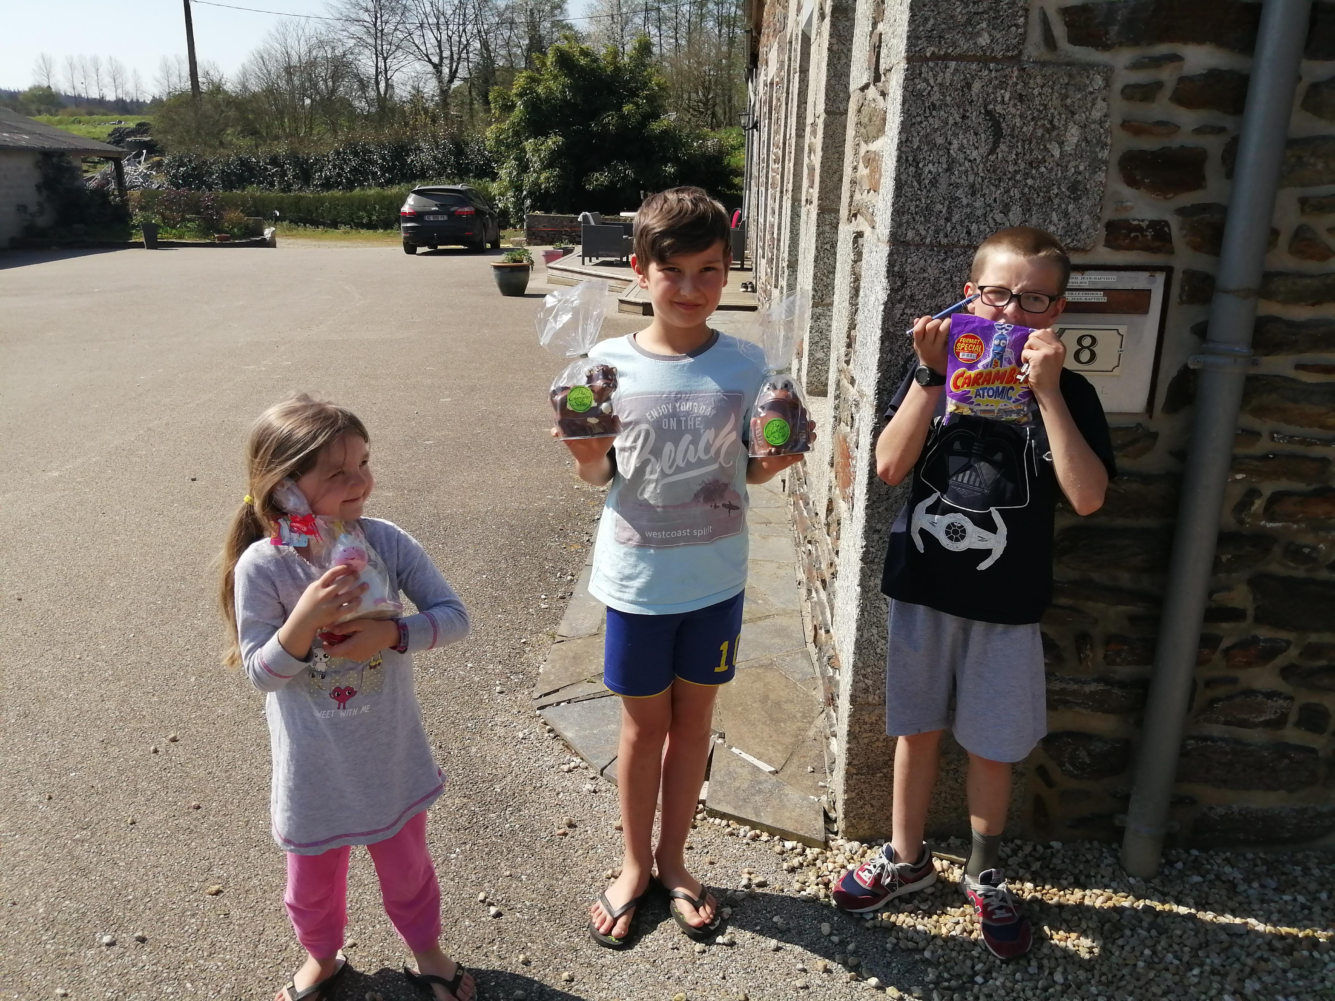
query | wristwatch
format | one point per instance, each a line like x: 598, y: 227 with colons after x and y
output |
x: 925, y: 376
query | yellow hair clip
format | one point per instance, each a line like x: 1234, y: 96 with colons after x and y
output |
x: 247, y: 499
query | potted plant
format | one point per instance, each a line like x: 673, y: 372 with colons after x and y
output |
x: 512, y: 271
x: 149, y: 224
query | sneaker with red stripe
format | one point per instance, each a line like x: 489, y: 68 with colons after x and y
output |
x: 880, y: 879
x: 1006, y: 932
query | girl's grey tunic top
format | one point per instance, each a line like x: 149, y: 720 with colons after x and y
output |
x: 351, y: 761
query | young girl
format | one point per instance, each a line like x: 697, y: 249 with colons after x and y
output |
x: 351, y: 762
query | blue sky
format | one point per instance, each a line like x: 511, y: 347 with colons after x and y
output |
x: 96, y: 27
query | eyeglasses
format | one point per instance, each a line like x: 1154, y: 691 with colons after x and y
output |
x: 1000, y: 297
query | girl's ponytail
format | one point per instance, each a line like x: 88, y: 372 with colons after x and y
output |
x: 285, y: 442
x: 246, y: 528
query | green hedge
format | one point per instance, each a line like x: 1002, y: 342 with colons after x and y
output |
x: 353, y: 165
x: 370, y: 208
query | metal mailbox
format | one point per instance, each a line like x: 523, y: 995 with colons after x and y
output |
x: 1113, y: 329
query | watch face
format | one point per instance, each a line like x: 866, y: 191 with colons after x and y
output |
x: 925, y: 376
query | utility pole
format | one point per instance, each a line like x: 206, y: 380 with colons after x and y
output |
x: 190, y: 50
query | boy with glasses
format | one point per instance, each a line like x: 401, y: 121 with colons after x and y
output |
x: 964, y: 622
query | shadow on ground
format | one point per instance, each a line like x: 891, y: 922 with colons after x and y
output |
x: 492, y: 985
x: 1140, y: 948
x: 27, y: 258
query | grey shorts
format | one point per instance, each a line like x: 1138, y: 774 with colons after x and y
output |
x: 995, y: 673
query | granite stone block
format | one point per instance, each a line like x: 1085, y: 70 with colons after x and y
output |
x: 1290, y: 401
x: 584, y: 613
x: 1229, y: 763
x: 592, y: 728
x: 1141, y: 236
x: 1238, y: 826
x: 765, y: 713
x: 740, y: 791
x: 1165, y: 172
x: 1220, y: 90
x: 771, y: 637
x: 966, y: 29
x: 574, y: 660
x: 1278, y: 335
x: 1000, y: 176
x: 1115, y: 24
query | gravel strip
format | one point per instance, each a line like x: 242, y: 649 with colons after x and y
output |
x: 1214, y: 924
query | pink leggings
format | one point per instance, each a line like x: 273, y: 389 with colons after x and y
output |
x: 317, y: 891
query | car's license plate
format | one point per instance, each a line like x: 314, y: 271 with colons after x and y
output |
x: 436, y: 218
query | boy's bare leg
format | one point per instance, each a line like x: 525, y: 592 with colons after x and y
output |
x: 916, y: 759
x: 989, y: 790
x: 683, y: 774
x: 644, y: 727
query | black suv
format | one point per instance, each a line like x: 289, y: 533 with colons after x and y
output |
x: 448, y: 213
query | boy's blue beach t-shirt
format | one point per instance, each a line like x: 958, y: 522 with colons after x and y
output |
x: 673, y: 533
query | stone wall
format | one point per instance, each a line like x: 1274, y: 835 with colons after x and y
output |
x: 543, y: 229
x: 19, y: 200
x: 1113, y: 124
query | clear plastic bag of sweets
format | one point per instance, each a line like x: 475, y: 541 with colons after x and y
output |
x: 983, y: 370
x: 582, y: 395
x: 779, y: 421
x: 334, y: 542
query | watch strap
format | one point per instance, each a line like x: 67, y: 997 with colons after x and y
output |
x: 928, y: 376
x: 402, y: 646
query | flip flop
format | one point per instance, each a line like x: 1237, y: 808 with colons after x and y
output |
x: 611, y: 941
x: 290, y: 992
x: 698, y: 933
x: 426, y: 981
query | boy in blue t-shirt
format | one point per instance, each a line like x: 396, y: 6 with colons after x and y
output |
x: 670, y: 560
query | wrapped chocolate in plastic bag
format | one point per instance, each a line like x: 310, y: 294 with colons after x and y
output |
x: 582, y: 395
x: 334, y: 542
x: 983, y: 370
x: 779, y: 422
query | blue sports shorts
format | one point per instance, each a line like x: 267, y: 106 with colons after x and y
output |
x: 644, y: 654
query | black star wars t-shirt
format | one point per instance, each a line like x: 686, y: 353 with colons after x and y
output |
x: 975, y: 539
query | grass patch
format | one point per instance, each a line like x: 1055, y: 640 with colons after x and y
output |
x: 91, y: 126
x: 323, y: 234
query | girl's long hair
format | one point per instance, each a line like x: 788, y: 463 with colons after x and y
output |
x: 284, y: 442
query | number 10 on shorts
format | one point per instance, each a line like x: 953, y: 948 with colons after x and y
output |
x: 726, y: 648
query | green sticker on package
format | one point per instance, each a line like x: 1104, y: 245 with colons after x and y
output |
x: 580, y: 399
x: 777, y: 431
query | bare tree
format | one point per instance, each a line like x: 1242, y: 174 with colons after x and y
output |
x: 441, y: 36
x: 72, y: 75
x: 136, y: 85
x: 376, y: 32
x: 116, y: 78
x: 173, y: 76
x: 95, y: 75
x: 299, y: 82
x: 44, y: 71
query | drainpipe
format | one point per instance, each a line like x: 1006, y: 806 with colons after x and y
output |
x: 1223, y: 365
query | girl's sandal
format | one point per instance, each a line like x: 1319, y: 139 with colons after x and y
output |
x: 615, y: 913
x: 290, y: 992
x: 427, y: 981
x: 698, y: 933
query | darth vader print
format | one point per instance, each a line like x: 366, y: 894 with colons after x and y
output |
x: 972, y: 472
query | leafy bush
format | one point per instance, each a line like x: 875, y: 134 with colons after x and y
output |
x: 584, y: 130
x: 372, y: 208
x: 74, y: 209
x: 518, y: 256
x: 356, y: 164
